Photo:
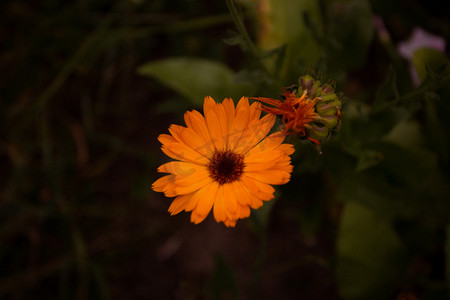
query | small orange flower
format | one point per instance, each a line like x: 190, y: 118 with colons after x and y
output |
x: 224, y: 161
x: 310, y: 110
x: 296, y: 112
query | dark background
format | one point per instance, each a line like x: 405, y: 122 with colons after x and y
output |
x: 79, y: 152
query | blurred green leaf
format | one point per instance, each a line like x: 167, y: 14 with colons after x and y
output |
x: 407, y: 166
x: 426, y: 60
x: 196, y: 78
x: 223, y: 283
x: 406, y: 134
x: 367, y: 159
x: 284, y: 24
x: 370, y: 255
x: 396, y: 187
x: 437, y: 125
x: 387, y: 90
x: 369, y: 126
x: 235, y: 39
x: 350, y: 33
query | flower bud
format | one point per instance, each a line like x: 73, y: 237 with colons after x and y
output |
x: 311, y: 110
x: 305, y: 83
x: 318, y: 133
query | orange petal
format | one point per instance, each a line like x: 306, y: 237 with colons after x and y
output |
x: 242, y: 194
x: 252, y: 185
x: 165, y: 184
x: 244, y: 212
x: 240, y: 123
x: 160, y: 184
x: 268, y: 156
x: 219, y: 209
x: 189, y: 137
x: 213, y: 122
x: 255, y: 111
x: 261, y: 165
x: 232, y: 204
x: 183, y: 152
x: 181, y: 190
x: 265, y: 188
x: 254, y: 133
x: 223, y: 121
x: 166, y: 139
x: 200, y: 174
x: 205, y: 198
x: 230, y: 111
x: 288, y: 149
x: 197, y: 218
x: 197, y: 123
x: 269, y: 143
x: 180, y: 168
x: 269, y: 101
x: 256, y: 203
x: 270, y: 176
x: 230, y: 223
x: 179, y: 204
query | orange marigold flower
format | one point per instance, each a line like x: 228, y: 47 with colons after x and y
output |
x: 224, y: 161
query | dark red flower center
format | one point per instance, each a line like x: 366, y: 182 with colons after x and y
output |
x: 226, y: 166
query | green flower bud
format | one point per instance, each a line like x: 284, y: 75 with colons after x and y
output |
x: 330, y: 121
x: 326, y: 89
x: 305, y: 82
x: 328, y: 97
x: 323, y: 108
x: 318, y: 133
x: 311, y: 110
x: 315, y: 90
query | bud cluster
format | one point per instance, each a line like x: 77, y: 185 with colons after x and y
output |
x: 311, y: 110
x: 327, y: 106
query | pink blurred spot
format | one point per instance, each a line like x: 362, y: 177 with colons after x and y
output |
x: 420, y: 39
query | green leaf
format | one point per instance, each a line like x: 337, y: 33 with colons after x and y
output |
x: 350, y: 33
x: 406, y: 166
x: 437, y: 124
x: 235, y: 39
x: 397, y: 186
x: 284, y: 24
x: 387, y: 90
x: 407, y: 134
x: 427, y: 60
x: 367, y: 159
x: 196, y: 78
x: 371, y: 126
x: 370, y: 255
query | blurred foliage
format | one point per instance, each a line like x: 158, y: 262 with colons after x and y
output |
x: 371, y: 255
x: 194, y: 78
x: 88, y: 85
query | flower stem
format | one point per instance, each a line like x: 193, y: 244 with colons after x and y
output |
x: 428, y: 86
x: 243, y: 31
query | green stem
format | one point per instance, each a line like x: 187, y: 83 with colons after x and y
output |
x: 254, y: 51
x: 430, y: 86
x: 241, y: 28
